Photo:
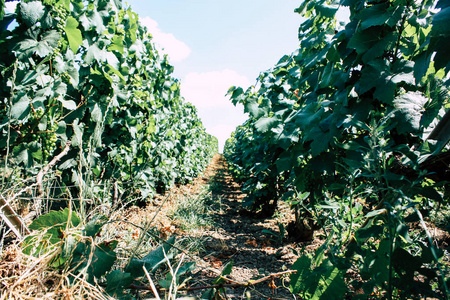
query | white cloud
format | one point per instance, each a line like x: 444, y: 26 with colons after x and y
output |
x: 207, y: 92
x: 208, y: 89
x: 222, y: 133
x: 11, y: 6
x: 176, y: 49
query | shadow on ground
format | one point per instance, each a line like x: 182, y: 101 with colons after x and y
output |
x: 244, y: 241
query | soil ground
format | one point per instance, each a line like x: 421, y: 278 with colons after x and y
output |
x: 238, y: 238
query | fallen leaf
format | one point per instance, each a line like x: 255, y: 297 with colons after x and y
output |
x: 252, y: 243
x: 216, y: 264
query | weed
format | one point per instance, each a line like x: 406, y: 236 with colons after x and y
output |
x: 192, y: 213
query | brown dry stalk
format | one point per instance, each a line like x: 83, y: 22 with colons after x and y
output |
x: 221, y: 285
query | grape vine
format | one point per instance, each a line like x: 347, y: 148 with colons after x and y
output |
x: 87, y: 72
x: 339, y: 129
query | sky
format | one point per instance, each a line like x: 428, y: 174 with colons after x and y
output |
x: 214, y: 45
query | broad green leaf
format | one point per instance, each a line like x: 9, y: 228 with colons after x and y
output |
x: 68, y: 104
x: 73, y: 34
x: 265, y: 124
x: 410, y: 108
x: 31, y: 12
x: 380, y: 14
x: 440, y: 23
x: 152, y: 260
x: 117, y: 281
x: 325, y: 10
x: 253, y: 109
x: 22, y: 108
x: 297, y: 280
x: 284, y: 163
x: 49, y: 41
x: 104, y: 258
x: 116, y: 44
x: 55, y: 218
x: 404, y: 72
x: 332, y: 286
x: 94, y: 226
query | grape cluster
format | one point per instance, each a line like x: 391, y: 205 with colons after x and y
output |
x: 60, y: 14
x: 49, y: 140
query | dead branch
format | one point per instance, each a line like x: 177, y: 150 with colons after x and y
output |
x: 221, y: 285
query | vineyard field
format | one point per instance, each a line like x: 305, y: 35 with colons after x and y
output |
x: 335, y: 187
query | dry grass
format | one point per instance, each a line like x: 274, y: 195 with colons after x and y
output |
x: 28, y: 277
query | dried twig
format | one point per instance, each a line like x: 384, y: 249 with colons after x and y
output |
x: 222, y: 285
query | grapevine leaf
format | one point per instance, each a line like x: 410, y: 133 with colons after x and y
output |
x: 73, y: 34
x: 265, y: 124
x: 68, y: 104
x: 303, y: 268
x: 116, y: 281
x: 440, y: 23
x: 404, y: 72
x: 21, y: 109
x: 332, y: 287
x: 252, y: 107
x: 327, y: 11
x: 421, y: 65
x: 363, y: 40
x: 410, y: 108
x: 380, y: 14
x: 284, y: 163
x: 49, y: 41
x: 92, y: 20
x: 55, y: 218
x: 152, y: 260
x: 31, y: 12
x: 22, y: 155
x: 116, y: 44
x: 104, y: 258
x: 320, y: 140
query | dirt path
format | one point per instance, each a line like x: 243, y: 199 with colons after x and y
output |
x: 233, y: 236
x: 245, y: 241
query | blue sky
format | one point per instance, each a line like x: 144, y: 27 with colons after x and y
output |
x: 216, y: 44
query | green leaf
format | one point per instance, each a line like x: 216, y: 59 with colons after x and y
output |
x: 303, y: 268
x: 93, y: 227
x: 325, y: 10
x: 31, y: 12
x: 404, y: 72
x: 152, y: 260
x: 73, y: 34
x: 55, y: 218
x: 226, y: 271
x: 68, y: 104
x: 332, y: 286
x: 252, y: 107
x: 117, y: 281
x: 381, y: 14
x: 265, y: 124
x: 54, y: 225
x: 21, y: 109
x: 48, y: 42
x: 284, y: 163
x: 116, y: 44
x: 440, y: 23
x: 410, y: 108
x: 104, y: 258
